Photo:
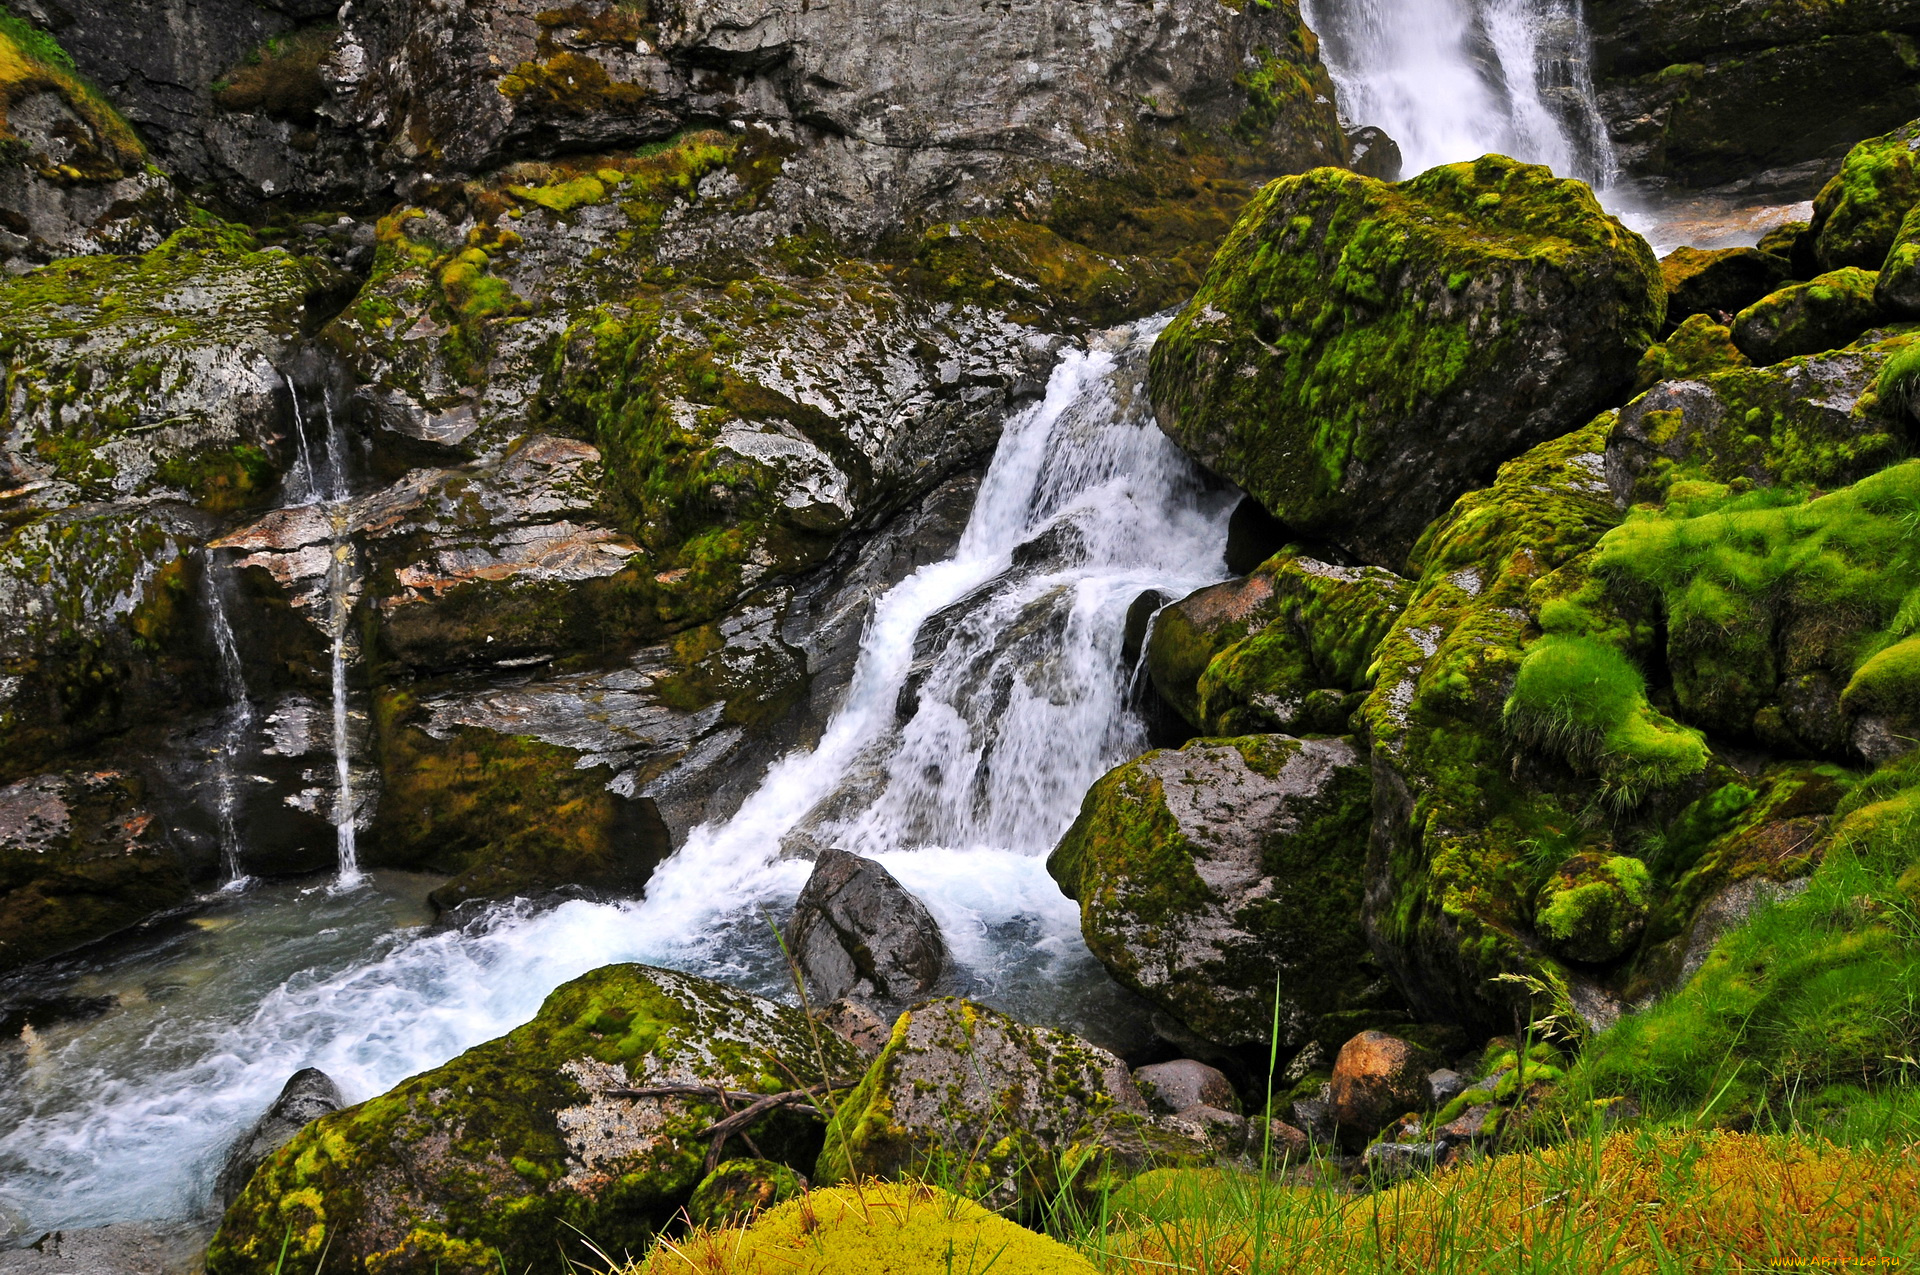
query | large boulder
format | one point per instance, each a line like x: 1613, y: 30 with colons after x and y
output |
x: 492, y: 1157
x: 1824, y: 313
x: 1858, y: 214
x: 858, y: 932
x: 1361, y: 353
x: 1719, y: 281
x: 964, y: 1090
x: 1218, y: 877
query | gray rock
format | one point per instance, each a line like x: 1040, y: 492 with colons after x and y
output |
x: 1394, y: 1161
x: 1315, y: 1116
x: 1227, y: 1132
x: 129, y: 1248
x: 1443, y: 1086
x: 1172, y: 1087
x: 308, y: 1094
x: 856, y: 932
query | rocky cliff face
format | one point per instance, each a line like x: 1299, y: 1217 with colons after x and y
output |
x: 643, y: 322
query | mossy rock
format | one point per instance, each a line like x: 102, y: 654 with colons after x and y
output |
x: 1346, y: 324
x: 870, y: 1228
x: 738, y: 1190
x: 1819, y: 421
x: 1898, y: 290
x: 1698, y: 347
x: 1033, y: 272
x: 1824, y: 313
x: 1718, y: 281
x: 1283, y: 650
x: 1211, y: 875
x: 1858, y: 214
x: 492, y: 1159
x: 1007, y: 1112
x: 1594, y: 906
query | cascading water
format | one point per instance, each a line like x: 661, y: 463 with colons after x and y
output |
x: 1452, y: 80
x: 236, y: 731
x: 989, y: 692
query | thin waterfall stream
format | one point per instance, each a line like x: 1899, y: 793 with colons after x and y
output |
x: 236, y: 731
x: 989, y: 692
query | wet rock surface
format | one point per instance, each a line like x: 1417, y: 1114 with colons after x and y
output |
x: 1207, y: 873
x: 308, y: 1094
x: 857, y: 932
x: 130, y: 1248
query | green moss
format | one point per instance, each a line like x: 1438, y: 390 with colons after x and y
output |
x: 1595, y: 906
x: 1824, y: 313
x: 1584, y: 699
x: 737, y: 1190
x: 1858, y: 213
x: 1032, y: 272
x: 1326, y: 333
x: 432, y: 1175
x: 1698, y: 347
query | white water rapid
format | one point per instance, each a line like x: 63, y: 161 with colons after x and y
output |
x: 989, y: 692
x: 1452, y: 80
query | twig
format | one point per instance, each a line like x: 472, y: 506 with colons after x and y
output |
x: 735, y: 1122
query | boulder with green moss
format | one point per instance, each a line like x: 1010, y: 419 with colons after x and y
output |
x: 738, y: 1190
x: 1898, y: 291
x: 1361, y: 353
x: 1858, y: 214
x: 1594, y: 906
x: 1006, y: 1111
x: 1285, y: 649
x: 81, y: 856
x: 498, y: 1156
x: 1697, y: 347
x: 1824, y: 313
x: 1210, y: 875
x: 1718, y: 281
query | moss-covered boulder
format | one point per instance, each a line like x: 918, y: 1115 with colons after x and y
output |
x: 1594, y: 906
x: 1360, y: 353
x: 1211, y: 875
x: 81, y: 857
x: 1006, y: 1111
x: 490, y: 1159
x: 737, y: 1190
x: 1718, y: 281
x: 1898, y: 290
x: 1285, y: 649
x: 870, y: 1228
x: 1858, y: 214
x: 1697, y: 347
x: 1824, y: 313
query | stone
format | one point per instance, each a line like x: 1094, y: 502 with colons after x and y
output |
x: 1227, y: 1132
x: 1594, y: 906
x: 82, y: 857
x: 1314, y: 1117
x: 127, y: 1248
x: 1443, y: 1086
x: 1897, y: 291
x: 739, y: 1190
x: 1698, y: 347
x: 1172, y: 1087
x: 1825, y: 313
x: 1287, y: 1143
x: 857, y: 1024
x: 1718, y: 282
x: 1857, y: 216
x: 1376, y: 1079
x: 1207, y: 873
x: 1397, y: 1161
x: 994, y: 1102
x: 1392, y: 294
x: 1280, y: 650
x: 308, y: 1094
x: 478, y: 1160
x: 857, y: 932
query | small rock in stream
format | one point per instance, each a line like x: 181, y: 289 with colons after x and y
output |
x: 857, y: 932
x: 309, y: 1094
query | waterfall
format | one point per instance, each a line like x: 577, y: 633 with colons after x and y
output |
x: 237, y: 729
x: 988, y: 693
x: 1452, y: 80
x: 342, y: 588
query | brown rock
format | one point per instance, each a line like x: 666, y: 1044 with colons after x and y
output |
x: 1173, y: 1087
x: 1376, y: 1078
x: 857, y: 1024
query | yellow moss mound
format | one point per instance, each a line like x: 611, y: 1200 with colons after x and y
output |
x: 871, y: 1228
x: 1638, y: 1202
